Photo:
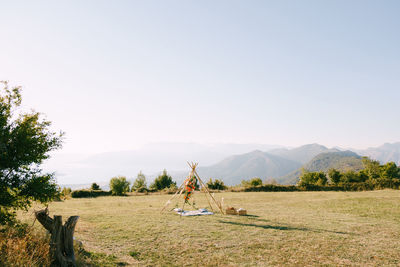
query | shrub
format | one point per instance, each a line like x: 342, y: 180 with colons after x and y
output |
x: 95, y: 186
x: 139, y: 185
x: 271, y: 188
x: 119, y: 186
x: 162, y: 181
x: 89, y: 193
x: 370, y: 184
x: 390, y: 171
x: 65, y: 192
x: 253, y: 182
x: 335, y: 176
x: 312, y: 178
x: 142, y: 190
x: 351, y: 177
x: 170, y: 190
x: 216, y: 185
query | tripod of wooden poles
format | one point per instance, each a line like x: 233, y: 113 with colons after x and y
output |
x: 207, y: 193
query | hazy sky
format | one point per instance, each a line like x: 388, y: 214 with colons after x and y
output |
x: 115, y: 75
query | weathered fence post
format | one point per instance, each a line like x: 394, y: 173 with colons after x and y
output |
x: 62, y: 238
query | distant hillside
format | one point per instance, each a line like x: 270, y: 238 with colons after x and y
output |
x: 150, y: 159
x: 260, y: 164
x: 302, y: 154
x: 341, y: 160
x: 385, y: 153
x: 153, y: 158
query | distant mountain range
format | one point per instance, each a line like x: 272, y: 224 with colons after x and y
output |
x: 385, y: 153
x: 284, y: 165
x: 229, y: 162
x: 302, y: 154
x: 151, y: 159
x: 254, y: 164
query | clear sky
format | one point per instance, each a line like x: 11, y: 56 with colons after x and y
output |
x: 115, y: 75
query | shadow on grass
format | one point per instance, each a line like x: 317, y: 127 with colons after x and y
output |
x: 282, y: 228
x: 87, y: 258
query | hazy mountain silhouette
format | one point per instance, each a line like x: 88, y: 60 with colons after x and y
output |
x: 385, y: 153
x: 302, y: 154
x: 234, y: 169
x: 151, y: 159
x: 215, y: 161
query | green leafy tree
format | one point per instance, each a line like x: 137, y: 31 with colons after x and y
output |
x: 216, y: 185
x: 362, y: 175
x: 119, y: 185
x: 335, y: 176
x: 352, y: 177
x: 139, y: 184
x: 95, y: 186
x: 390, y: 171
x: 372, y: 168
x: 66, y: 191
x: 255, y: 181
x: 162, y: 181
x: 252, y: 182
x: 25, y: 142
x: 313, y: 178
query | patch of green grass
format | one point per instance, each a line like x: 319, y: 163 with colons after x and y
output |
x: 134, y: 254
x: 283, y: 228
x: 86, y: 258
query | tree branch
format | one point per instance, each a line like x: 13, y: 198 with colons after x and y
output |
x: 43, y: 217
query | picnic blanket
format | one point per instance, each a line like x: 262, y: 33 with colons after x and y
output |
x: 198, y: 212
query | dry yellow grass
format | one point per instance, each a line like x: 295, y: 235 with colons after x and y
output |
x: 283, y: 229
x: 23, y: 247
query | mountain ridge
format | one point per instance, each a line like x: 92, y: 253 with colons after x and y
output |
x: 234, y: 169
x: 156, y: 157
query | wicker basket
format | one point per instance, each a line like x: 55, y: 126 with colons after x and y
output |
x: 242, y: 212
x: 231, y: 211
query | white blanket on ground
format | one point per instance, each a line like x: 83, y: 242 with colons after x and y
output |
x: 193, y: 212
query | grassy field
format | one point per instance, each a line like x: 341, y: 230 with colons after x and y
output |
x: 284, y: 228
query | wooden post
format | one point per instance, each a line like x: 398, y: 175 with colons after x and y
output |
x: 205, y: 194
x: 62, y: 238
x: 180, y: 190
x: 205, y: 187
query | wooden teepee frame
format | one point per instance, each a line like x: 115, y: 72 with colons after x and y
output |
x: 202, y: 185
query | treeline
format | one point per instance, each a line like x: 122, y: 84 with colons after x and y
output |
x: 120, y: 186
x: 373, y: 176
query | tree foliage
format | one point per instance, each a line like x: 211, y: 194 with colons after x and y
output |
x: 216, y: 184
x: 89, y: 193
x: 252, y: 182
x: 373, y: 176
x: 95, y: 186
x: 163, y: 181
x: 313, y: 178
x: 371, y: 167
x: 119, y: 185
x: 335, y: 176
x: 25, y: 142
x: 389, y: 171
x: 139, y: 185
